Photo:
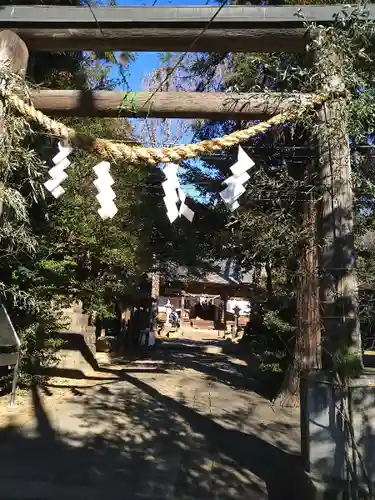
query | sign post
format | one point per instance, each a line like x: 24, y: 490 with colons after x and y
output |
x: 12, y: 344
x: 236, y: 311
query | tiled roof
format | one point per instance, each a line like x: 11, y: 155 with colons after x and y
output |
x: 222, y: 272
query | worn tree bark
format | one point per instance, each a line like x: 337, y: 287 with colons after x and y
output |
x: 339, y: 288
x: 268, y: 267
x: 307, y: 352
x: 155, y: 292
x: 338, y: 291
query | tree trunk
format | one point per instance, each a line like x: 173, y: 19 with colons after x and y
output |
x: 339, y: 287
x: 155, y: 292
x: 306, y: 355
x: 257, y: 274
x: 269, y: 281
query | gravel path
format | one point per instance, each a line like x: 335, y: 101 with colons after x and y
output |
x: 186, y: 424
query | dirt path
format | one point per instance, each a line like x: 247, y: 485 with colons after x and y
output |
x: 183, y: 425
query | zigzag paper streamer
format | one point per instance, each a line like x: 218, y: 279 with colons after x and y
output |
x: 235, y: 183
x: 174, y: 195
x: 57, y: 173
x: 105, y: 195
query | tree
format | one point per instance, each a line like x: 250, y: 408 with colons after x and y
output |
x: 54, y: 253
x: 180, y: 243
x: 283, y: 186
x: 264, y: 230
x: 71, y: 254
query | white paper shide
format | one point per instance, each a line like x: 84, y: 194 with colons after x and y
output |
x: 57, y: 173
x: 235, y: 183
x: 175, y: 197
x: 105, y: 195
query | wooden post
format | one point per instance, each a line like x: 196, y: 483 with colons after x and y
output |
x: 14, y: 57
x: 339, y: 289
x: 223, y: 319
x: 155, y: 285
x: 155, y: 292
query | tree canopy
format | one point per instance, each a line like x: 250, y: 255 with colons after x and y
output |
x: 59, y: 251
x: 278, y: 218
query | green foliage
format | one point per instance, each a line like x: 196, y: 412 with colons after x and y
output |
x: 267, y: 225
x: 278, y: 344
x: 273, y: 346
x: 55, y: 252
x: 49, y: 248
x: 22, y: 171
x: 350, y: 365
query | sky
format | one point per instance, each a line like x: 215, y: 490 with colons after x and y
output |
x: 146, y: 62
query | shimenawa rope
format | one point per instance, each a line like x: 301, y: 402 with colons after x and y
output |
x: 138, y: 154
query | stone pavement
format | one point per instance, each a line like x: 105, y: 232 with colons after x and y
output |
x: 188, y: 423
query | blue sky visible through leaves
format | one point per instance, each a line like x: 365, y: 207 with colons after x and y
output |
x: 146, y: 62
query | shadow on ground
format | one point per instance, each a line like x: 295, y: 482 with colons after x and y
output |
x: 127, y: 440
x: 218, y: 366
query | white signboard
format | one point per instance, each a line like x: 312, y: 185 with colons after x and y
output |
x: 8, y: 335
x: 243, y: 305
x: 9, y: 339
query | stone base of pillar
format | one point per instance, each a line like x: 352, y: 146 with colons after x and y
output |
x: 323, y: 489
x: 329, y: 416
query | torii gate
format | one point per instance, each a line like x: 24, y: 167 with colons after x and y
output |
x: 235, y: 29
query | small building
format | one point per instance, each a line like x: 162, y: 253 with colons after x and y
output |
x: 208, y: 298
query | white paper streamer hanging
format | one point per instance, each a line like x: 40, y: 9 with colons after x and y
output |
x: 235, y: 183
x: 57, y: 173
x: 175, y: 195
x: 184, y: 209
x: 105, y: 195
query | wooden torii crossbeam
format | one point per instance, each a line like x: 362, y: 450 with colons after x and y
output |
x: 235, y: 29
x: 213, y: 105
